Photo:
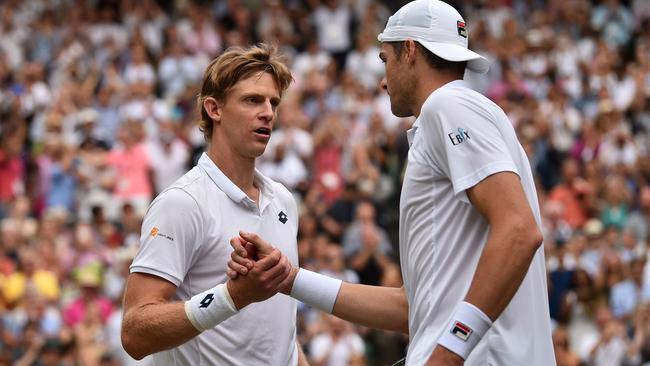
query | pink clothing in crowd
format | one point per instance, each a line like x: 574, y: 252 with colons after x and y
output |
x: 132, y: 169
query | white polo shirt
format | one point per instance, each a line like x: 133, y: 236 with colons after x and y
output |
x: 460, y: 138
x: 186, y: 240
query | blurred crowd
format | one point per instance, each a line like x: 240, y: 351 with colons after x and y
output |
x: 98, y: 114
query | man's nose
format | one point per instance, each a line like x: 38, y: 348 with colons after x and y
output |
x: 383, y: 83
x: 268, y: 110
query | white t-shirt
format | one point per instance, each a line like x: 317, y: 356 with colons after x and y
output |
x: 168, y: 166
x: 459, y: 139
x: 186, y: 240
x: 333, y: 27
x: 338, y: 352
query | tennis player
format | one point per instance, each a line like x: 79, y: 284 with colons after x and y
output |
x: 470, y: 245
x: 179, y: 304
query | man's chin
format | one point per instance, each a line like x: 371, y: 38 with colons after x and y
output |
x: 400, y: 113
x: 257, y: 152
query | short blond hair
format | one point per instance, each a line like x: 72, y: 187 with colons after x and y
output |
x: 235, y: 64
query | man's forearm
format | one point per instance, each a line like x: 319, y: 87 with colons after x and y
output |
x: 373, y: 306
x: 156, y: 327
x: 501, y: 270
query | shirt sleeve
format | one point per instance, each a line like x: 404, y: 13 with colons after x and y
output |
x: 170, y: 237
x: 465, y: 143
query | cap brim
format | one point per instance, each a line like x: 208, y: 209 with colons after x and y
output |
x: 457, y: 53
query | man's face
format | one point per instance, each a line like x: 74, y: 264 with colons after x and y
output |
x: 395, y: 82
x: 247, y: 115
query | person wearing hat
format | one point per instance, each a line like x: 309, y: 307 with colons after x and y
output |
x: 475, y: 288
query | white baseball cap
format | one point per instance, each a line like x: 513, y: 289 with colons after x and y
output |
x: 438, y: 27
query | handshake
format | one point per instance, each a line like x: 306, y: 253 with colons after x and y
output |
x: 257, y: 270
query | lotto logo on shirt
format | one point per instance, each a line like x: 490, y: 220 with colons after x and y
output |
x: 154, y: 231
x: 459, y: 136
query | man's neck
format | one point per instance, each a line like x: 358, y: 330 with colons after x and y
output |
x: 428, y: 85
x: 241, y: 171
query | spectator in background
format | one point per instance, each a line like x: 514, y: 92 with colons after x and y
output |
x: 616, y: 202
x: 130, y: 164
x: 573, y: 193
x: 168, y: 155
x: 336, y: 345
x: 612, y: 346
x: 11, y: 165
x: 334, y: 265
x: 290, y: 148
x: 91, y: 305
x: 58, y: 179
x: 626, y: 294
x: 366, y: 245
x: 313, y: 58
x: 333, y: 22
x: 30, y: 277
x: 614, y: 22
x: 639, y: 219
x: 328, y: 151
x: 108, y: 117
x: 362, y: 62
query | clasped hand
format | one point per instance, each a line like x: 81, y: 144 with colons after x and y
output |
x: 256, y: 270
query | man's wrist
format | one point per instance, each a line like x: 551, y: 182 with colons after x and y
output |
x: 467, y: 326
x: 238, y: 300
x: 209, y: 308
x: 316, y: 290
x: 292, y: 278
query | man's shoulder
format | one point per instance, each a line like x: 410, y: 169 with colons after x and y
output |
x: 191, y: 182
x: 455, y: 94
x: 189, y: 187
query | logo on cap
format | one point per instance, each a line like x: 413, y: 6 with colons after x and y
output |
x: 461, y: 29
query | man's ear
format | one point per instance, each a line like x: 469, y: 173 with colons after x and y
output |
x: 213, y: 108
x: 409, y: 50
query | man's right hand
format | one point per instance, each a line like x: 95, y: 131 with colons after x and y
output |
x: 243, y: 264
x: 263, y: 280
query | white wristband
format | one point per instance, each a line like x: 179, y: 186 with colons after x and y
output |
x: 468, y: 325
x: 210, y: 307
x: 316, y: 290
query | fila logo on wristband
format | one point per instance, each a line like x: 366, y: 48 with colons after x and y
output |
x: 461, y: 331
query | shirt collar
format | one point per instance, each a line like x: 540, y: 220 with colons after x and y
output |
x: 410, y: 133
x: 230, y: 189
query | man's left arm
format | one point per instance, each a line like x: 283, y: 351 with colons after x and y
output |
x: 511, y: 245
